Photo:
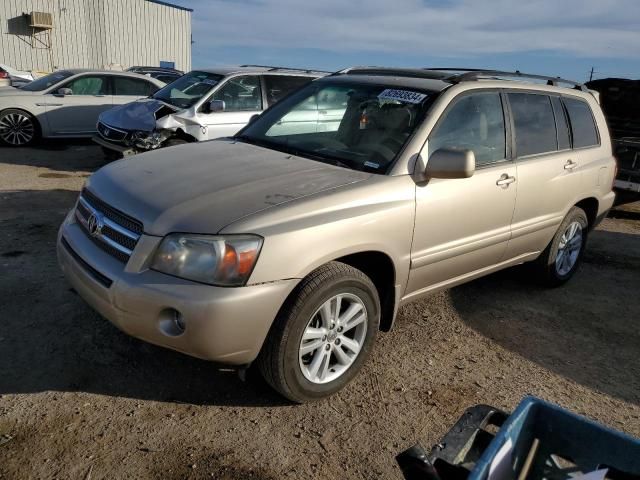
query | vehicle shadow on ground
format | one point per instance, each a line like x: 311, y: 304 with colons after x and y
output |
x: 586, y: 330
x: 51, y: 340
x: 79, y: 155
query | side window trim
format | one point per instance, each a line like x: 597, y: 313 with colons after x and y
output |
x: 565, y: 115
x: 263, y: 91
x: 509, y: 126
x: 595, y: 123
x: 452, y: 104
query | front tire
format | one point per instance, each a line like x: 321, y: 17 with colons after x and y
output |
x: 18, y: 128
x: 562, y: 257
x: 323, y: 334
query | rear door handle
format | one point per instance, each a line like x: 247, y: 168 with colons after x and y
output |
x: 570, y: 165
x: 505, y: 180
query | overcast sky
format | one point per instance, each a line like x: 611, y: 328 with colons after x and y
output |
x: 554, y: 37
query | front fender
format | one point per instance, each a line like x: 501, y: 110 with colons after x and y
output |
x: 299, y: 236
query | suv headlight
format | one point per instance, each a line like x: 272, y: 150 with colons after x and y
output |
x: 223, y: 260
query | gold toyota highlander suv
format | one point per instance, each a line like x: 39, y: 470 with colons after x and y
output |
x: 294, y: 242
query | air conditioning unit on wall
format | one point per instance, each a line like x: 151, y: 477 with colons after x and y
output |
x: 40, y: 20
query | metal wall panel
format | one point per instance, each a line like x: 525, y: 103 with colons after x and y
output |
x: 95, y: 34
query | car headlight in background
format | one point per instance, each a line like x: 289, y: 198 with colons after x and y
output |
x: 213, y: 259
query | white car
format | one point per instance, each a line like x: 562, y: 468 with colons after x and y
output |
x: 201, y: 105
x: 66, y: 103
x: 10, y: 77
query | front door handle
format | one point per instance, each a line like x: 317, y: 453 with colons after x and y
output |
x: 505, y: 180
x: 570, y: 165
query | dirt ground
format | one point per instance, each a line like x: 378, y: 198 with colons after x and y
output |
x: 79, y: 399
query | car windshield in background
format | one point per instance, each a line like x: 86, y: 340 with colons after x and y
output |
x: 46, y: 81
x: 188, y: 89
x: 359, y: 126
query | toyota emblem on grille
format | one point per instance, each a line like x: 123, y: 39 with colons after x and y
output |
x: 95, y: 224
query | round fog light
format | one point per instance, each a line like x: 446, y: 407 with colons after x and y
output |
x: 171, y: 322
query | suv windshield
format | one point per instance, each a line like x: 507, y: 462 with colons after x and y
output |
x: 359, y: 126
x: 188, y: 89
x: 46, y: 81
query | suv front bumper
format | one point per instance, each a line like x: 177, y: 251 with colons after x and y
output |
x: 227, y: 325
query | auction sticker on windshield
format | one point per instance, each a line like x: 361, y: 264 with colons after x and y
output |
x: 402, y: 95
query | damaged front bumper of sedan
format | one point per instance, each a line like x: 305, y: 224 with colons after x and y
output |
x: 130, y: 143
x: 142, y: 126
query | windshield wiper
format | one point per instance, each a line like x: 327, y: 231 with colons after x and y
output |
x: 281, y: 147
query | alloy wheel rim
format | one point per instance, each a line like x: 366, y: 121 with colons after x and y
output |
x: 569, y: 248
x: 16, y: 129
x: 333, y: 338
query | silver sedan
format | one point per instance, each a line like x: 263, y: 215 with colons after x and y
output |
x: 66, y: 103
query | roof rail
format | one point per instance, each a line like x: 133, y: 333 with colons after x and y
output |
x: 272, y: 68
x: 457, y: 75
x: 470, y: 74
x: 390, y: 71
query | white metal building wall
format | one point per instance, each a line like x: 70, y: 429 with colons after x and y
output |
x: 95, y: 34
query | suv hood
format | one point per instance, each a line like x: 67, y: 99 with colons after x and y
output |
x: 140, y: 115
x: 203, y: 187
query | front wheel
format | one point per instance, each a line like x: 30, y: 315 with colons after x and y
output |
x: 561, y: 258
x: 17, y: 128
x: 323, y: 334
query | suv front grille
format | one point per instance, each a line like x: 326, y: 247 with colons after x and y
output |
x: 110, y: 133
x: 111, y: 230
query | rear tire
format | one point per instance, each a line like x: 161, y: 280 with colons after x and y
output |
x: 18, y: 128
x: 310, y: 352
x: 562, y: 257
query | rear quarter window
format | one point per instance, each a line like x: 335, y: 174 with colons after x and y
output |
x: 583, y: 127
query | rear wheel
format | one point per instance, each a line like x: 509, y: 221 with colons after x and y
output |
x: 323, y: 334
x: 561, y: 258
x: 18, y: 128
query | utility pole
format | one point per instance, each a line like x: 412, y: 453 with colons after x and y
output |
x: 591, y: 74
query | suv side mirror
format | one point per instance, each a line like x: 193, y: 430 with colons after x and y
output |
x: 64, y: 91
x: 253, y: 118
x: 215, y: 106
x: 451, y: 163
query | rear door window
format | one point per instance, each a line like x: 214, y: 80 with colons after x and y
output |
x: 535, y: 127
x: 583, y: 127
x: 132, y: 87
x: 475, y: 122
x: 278, y: 86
